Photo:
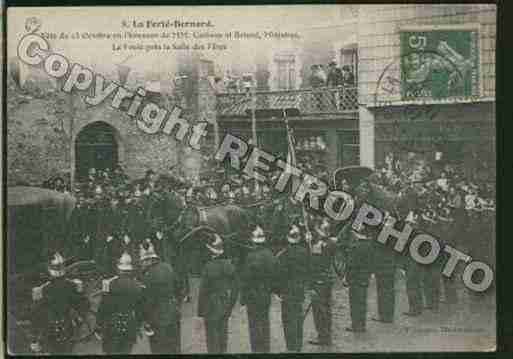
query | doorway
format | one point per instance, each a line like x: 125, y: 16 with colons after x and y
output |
x: 96, y: 146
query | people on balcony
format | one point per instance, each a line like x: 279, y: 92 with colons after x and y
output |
x: 348, y: 79
x: 318, y: 76
x: 335, y: 75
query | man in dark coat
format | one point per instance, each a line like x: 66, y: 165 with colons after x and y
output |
x: 111, y: 251
x: 125, y: 243
x: 414, y: 275
x: 334, y: 77
x: 53, y: 305
x: 358, y: 273
x: 179, y: 259
x: 84, y: 249
x: 384, y: 272
x: 218, y: 293
x: 323, y: 278
x: 347, y: 76
x: 161, y: 302
x: 120, y: 312
x: 256, y: 286
x: 293, y: 272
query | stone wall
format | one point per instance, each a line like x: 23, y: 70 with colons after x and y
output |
x: 43, y: 124
x: 38, y: 142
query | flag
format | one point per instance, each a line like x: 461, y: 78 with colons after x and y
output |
x: 291, y: 151
x: 292, y: 160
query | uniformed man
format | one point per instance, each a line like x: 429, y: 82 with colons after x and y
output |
x: 323, y: 278
x: 84, y: 250
x: 358, y: 275
x: 54, y: 302
x: 257, y: 279
x: 160, y: 242
x: 384, y: 272
x: 120, y: 311
x: 111, y: 251
x: 218, y: 293
x: 113, y: 216
x: 293, y: 270
x: 414, y: 276
x: 125, y: 243
x: 161, y: 302
x: 432, y: 274
x: 179, y: 260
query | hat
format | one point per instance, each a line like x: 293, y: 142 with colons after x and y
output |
x: 324, y: 228
x: 125, y: 262
x: 258, y: 235
x: 216, y: 247
x: 294, y: 235
x: 147, y: 251
x: 56, y: 265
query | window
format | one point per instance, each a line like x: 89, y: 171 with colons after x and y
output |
x: 207, y: 68
x: 349, y: 57
x: 286, y: 71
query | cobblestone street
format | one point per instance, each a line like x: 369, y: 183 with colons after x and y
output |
x: 470, y: 325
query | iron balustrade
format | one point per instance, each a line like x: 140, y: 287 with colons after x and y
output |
x: 308, y: 101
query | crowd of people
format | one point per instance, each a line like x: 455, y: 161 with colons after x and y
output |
x: 321, y: 75
x: 444, y: 198
x: 333, y: 76
x: 289, y: 253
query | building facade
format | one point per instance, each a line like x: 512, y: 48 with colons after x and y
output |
x: 427, y: 84
x: 424, y: 83
x: 324, y: 118
x: 50, y: 133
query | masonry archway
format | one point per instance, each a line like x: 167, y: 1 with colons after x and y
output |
x: 96, y: 145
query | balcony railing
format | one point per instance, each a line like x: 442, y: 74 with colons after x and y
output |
x: 307, y: 101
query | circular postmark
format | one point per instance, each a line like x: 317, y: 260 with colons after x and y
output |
x: 420, y: 76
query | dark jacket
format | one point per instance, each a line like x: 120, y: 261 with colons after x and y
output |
x: 218, y: 289
x: 59, y: 297
x: 293, y: 272
x: 334, y: 77
x: 160, y: 294
x: 257, y: 277
x: 360, y: 266
x: 120, y: 311
x: 322, y: 263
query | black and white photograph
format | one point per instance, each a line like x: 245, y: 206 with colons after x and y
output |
x: 250, y: 179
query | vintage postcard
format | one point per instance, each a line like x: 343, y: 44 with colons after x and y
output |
x: 271, y: 179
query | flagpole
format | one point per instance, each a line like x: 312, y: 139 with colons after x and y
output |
x: 253, y: 122
x: 293, y: 161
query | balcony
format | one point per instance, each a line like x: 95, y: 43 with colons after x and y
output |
x: 314, y: 101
